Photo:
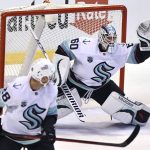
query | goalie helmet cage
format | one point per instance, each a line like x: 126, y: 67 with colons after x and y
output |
x: 18, y: 48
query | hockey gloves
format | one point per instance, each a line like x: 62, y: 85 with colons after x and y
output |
x: 143, y: 33
x: 49, y: 129
x: 50, y: 137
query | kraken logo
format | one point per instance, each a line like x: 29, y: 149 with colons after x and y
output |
x: 102, y: 72
x: 31, y: 114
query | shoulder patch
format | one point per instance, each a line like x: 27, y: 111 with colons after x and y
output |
x: 86, y: 41
x: 16, y: 85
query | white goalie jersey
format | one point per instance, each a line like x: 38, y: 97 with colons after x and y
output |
x: 26, y: 109
x: 95, y: 68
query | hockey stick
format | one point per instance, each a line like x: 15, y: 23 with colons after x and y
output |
x: 75, y: 106
x: 122, y: 144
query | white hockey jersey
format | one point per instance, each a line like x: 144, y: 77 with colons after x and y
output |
x: 26, y: 109
x: 92, y: 67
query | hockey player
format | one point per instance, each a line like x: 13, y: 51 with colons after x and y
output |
x: 96, y: 60
x: 31, y: 109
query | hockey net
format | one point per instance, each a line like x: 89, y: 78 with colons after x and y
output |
x: 18, y: 47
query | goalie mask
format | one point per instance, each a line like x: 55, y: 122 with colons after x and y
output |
x: 107, y: 37
x: 41, y: 69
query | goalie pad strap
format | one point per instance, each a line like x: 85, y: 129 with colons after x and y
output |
x: 126, y: 111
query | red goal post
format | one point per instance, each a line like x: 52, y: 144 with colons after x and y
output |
x: 18, y: 48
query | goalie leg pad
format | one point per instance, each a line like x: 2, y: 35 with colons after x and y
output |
x: 63, y: 105
x: 126, y: 111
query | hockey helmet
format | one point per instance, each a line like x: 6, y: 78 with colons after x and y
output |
x: 42, y: 68
x: 107, y: 37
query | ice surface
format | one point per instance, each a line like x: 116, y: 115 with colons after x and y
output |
x: 101, y: 128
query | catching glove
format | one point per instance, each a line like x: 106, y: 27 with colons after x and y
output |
x: 143, y: 33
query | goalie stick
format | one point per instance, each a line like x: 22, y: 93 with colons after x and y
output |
x: 75, y: 106
x: 122, y: 144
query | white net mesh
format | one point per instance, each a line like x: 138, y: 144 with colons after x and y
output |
x: 20, y: 46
